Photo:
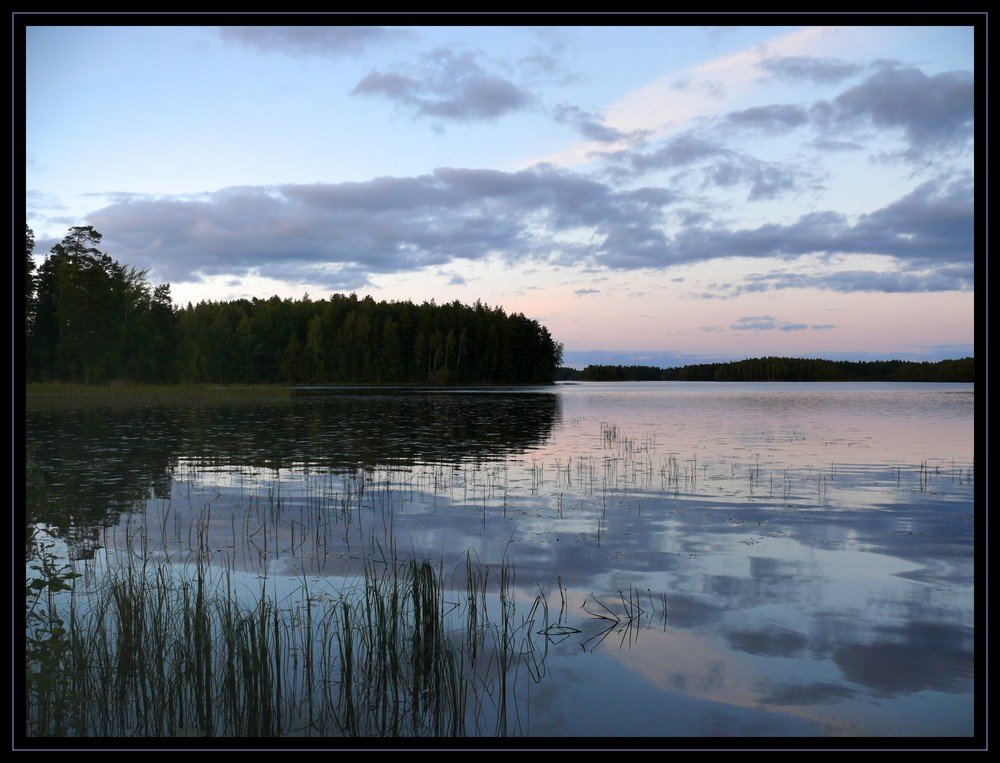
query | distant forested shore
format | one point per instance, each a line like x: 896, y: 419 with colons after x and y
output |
x: 90, y: 319
x: 784, y: 369
x: 93, y: 320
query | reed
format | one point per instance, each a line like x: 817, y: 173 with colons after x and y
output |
x: 152, y: 651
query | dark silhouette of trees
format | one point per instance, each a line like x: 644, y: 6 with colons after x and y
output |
x: 91, y: 319
x: 29, y: 273
x: 621, y: 373
x: 345, y: 339
x: 790, y: 369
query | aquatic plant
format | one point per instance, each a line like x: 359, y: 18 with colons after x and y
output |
x: 50, y: 684
x: 187, y: 652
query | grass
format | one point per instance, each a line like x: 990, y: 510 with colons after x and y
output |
x: 54, y: 394
x: 394, y: 652
x: 49, y: 394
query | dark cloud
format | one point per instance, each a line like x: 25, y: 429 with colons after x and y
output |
x: 933, y: 112
x: 385, y: 225
x: 680, y: 151
x: 929, y: 232
x: 932, y: 224
x: 391, y: 85
x: 326, y: 233
x: 447, y: 86
x: 774, y: 119
x: 892, y: 281
x: 329, y: 41
x: 811, y: 69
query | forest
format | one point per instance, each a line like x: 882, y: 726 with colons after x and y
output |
x: 785, y: 369
x: 91, y: 319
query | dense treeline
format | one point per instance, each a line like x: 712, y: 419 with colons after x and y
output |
x: 346, y: 339
x: 91, y: 319
x: 786, y: 369
x: 622, y: 373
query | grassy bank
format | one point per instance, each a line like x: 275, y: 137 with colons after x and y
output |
x: 53, y: 394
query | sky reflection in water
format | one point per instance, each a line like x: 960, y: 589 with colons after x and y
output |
x: 803, y: 553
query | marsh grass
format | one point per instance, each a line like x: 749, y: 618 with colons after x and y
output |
x: 624, y: 617
x: 42, y: 395
x: 162, y: 651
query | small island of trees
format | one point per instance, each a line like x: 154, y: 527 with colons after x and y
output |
x: 784, y: 369
x: 93, y: 320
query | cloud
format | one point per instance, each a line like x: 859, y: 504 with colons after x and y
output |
x: 447, y: 86
x: 702, y: 90
x: 714, y: 165
x: 774, y: 119
x: 678, y: 151
x: 933, y: 112
x: 325, y: 41
x: 828, y: 145
x: 755, y: 323
x: 544, y: 67
x: 929, y: 232
x: 953, y: 278
x: 385, y: 225
x: 340, y: 234
x: 929, y: 226
x: 810, y: 68
x: 588, y: 125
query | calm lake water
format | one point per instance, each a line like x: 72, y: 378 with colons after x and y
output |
x: 717, y: 560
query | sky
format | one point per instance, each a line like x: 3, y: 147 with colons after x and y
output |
x: 658, y: 193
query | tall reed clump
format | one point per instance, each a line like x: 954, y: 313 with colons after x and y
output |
x: 52, y: 692
x: 399, y: 673
x: 152, y: 651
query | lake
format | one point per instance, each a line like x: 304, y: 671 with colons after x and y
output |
x: 699, y: 560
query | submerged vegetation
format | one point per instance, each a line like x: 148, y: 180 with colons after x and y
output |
x: 785, y: 369
x: 91, y: 319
